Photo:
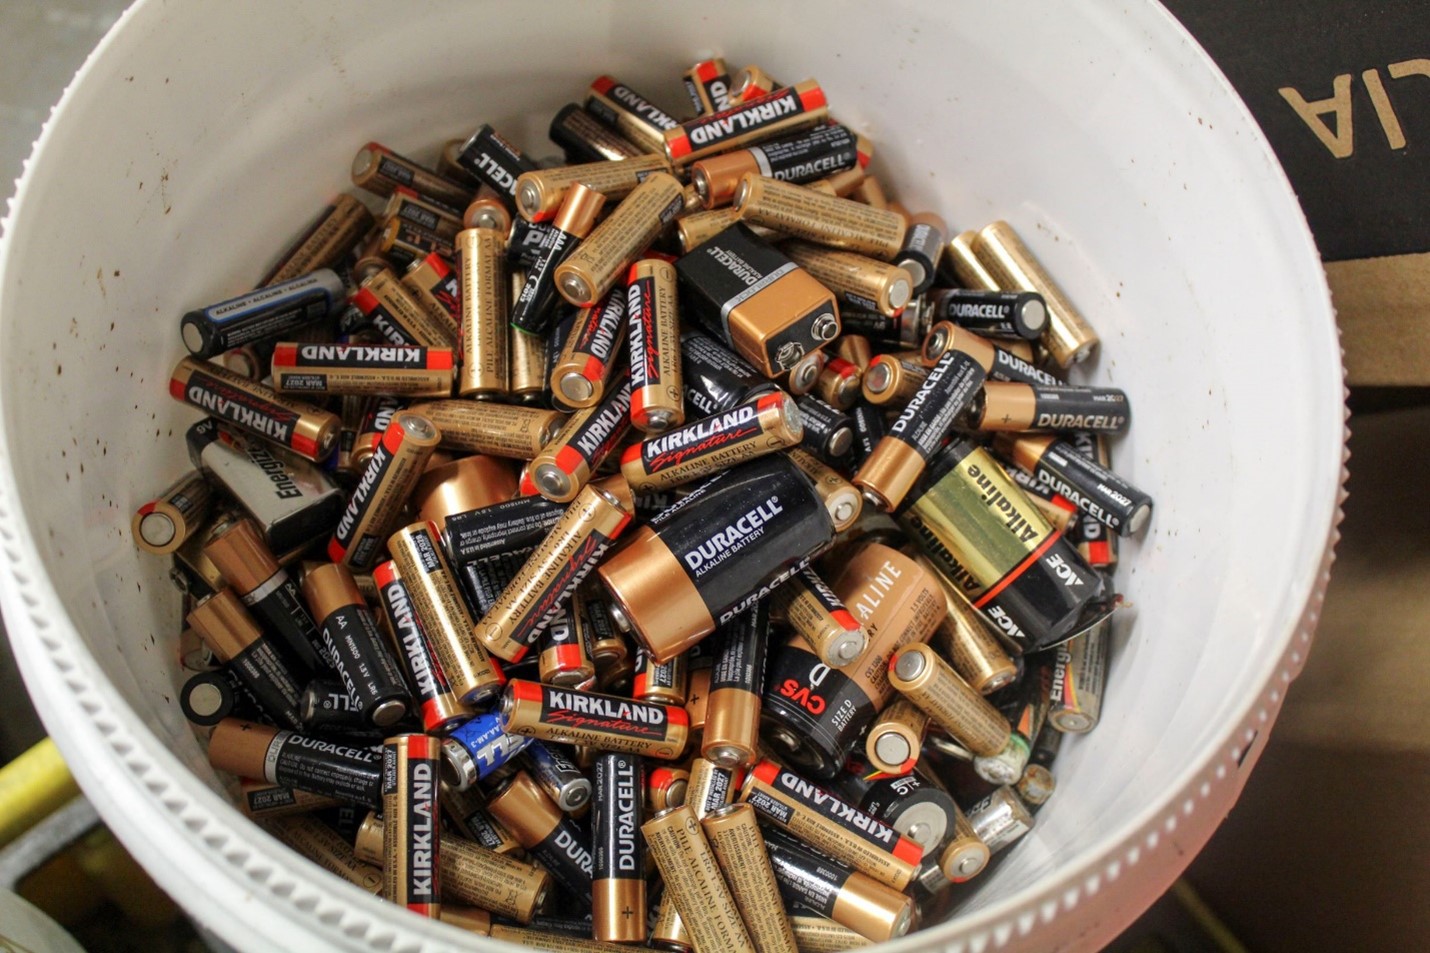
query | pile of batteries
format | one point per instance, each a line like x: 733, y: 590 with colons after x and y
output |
x: 730, y: 531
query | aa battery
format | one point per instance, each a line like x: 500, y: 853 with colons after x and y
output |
x: 710, y: 786
x: 1035, y: 786
x: 737, y: 680
x: 527, y: 368
x: 785, y: 110
x: 402, y: 243
x: 585, y: 138
x: 261, y: 800
x: 331, y: 236
x: 336, y: 369
x: 603, y: 257
x: 482, y: 254
x: 207, y: 698
x: 603, y: 722
x: 384, y: 302
x: 1068, y: 337
x: 931, y: 683
x: 923, y: 249
x: 895, y: 738
x: 1097, y: 491
x: 327, y: 848
x: 551, y: 838
x: 841, y: 499
x: 667, y: 683
x: 1006, y: 406
x: 812, y: 609
x: 250, y: 750
x: 858, y: 280
x: 381, y: 493
x: 437, y: 288
x: 495, y: 161
x: 757, y: 301
x: 835, y: 889
x: 714, y: 378
x: 477, y: 748
x: 565, y: 464
x: 500, y: 430
x: 840, y: 383
x: 256, y: 409
x: 565, y: 658
x: 997, y: 362
x: 1000, y: 819
x: 1078, y: 674
x: 350, y: 632
x: 962, y: 264
x: 869, y: 428
x: 975, y: 652
x: 992, y: 314
x: 229, y: 631
x: 816, y: 934
x: 506, y: 527
x: 326, y: 708
x: 666, y: 786
x: 618, y: 884
x: 161, y: 525
x: 541, y: 192
x: 828, y: 433
x: 892, y: 380
x: 262, y: 315
x: 375, y: 421
x: 443, y: 616
x: 440, y: 219
x: 734, y: 836
x: 900, y: 458
x: 654, y: 336
x: 411, y: 841
x: 707, y: 83
x: 560, y: 777
x: 591, y: 352
x: 533, y: 306
x: 800, y: 158
x: 693, y: 882
x: 802, y: 212
x: 438, y: 706
x: 632, y: 115
x: 915, y: 806
x: 965, y: 855
x: 380, y: 171
x: 704, y: 446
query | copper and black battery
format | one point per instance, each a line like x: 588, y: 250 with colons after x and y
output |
x: 533, y: 307
x: 437, y: 217
x: 499, y: 430
x: 1095, y: 490
x: 781, y: 111
x: 539, y: 194
x: 676, y: 580
x: 803, y: 212
x: 495, y: 161
x: 924, y: 244
x: 591, y: 352
x: 837, y: 890
x: 438, y: 288
x: 386, y: 304
x: 560, y: 777
x: 439, y: 707
x: 843, y: 501
x: 261, y: 800
x: 737, y: 680
x: 693, y: 882
x: 361, y: 369
x: 654, y: 335
x: 603, y: 722
x: 895, y: 738
x: 800, y: 158
x: 734, y: 836
x: 999, y: 819
x: 250, y: 750
x: 1067, y: 336
x: 368, y: 670
x: 485, y: 287
x: 870, y: 427
x: 896, y: 464
x: 828, y: 433
x: 507, y: 527
x: 331, y: 236
x: 565, y: 657
x: 632, y: 115
x: 601, y: 260
x: 467, y: 816
x: 381, y: 493
x: 992, y: 314
x: 859, y: 281
x: 476, y: 749
x: 380, y: 171
x: 1006, y: 406
x: 812, y: 609
x: 207, y: 698
x: 550, y: 837
x: 567, y: 461
x: 411, y: 838
x: 1079, y: 672
x: 892, y: 380
x: 1096, y: 542
x: 997, y: 362
x: 230, y: 632
x: 255, y: 408
x: 707, y: 83
x: 326, y: 708
x: 714, y: 378
x: 756, y: 301
x: 618, y: 885
x: 460, y: 485
x: 667, y: 683
x: 161, y: 525
x: 585, y: 138
x: 266, y: 314
x: 916, y: 805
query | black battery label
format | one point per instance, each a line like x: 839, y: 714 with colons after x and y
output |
x: 502, y: 527
x: 616, y: 837
x: 323, y: 767
x: 740, y: 661
x: 947, y: 391
x: 227, y: 402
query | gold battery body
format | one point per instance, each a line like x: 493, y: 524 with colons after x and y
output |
x: 423, y: 213
x: 734, y: 836
x: 896, y: 736
x: 694, y: 884
x: 338, y: 228
x: 362, y: 369
x: 380, y: 171
x: 487, y: 210
x: 161, y: 525
x: 653, y: 316
x: 482, y: 254
x: 882, y: 287
x: 256, y: 408
x: 802, y: 212
x: 929, y: 682
x: 893, y: 379
x: 499, y: 430
x: 411, y: 842
x: 959, y: 259
x: 696, y: 229
x: 601, y: 259
x: 821, y: 935
x: 384, y: 292
x: 540, y: 193
x: 326, y: 847
x: 713, y: 443
x: 261, y: 800
x: 975, y: 652
x: 842, y: 499
x: 1078, y: 675
x: 815, y: 612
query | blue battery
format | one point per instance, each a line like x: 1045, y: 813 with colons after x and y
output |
x: 478, y: 748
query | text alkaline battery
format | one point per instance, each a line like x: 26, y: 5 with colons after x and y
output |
x: 923, y: 249
x: 1005, y: 406
x: 812, y: 609
x: 734, y: 835
x: 366, y: 667
x: 803, y: 212
x: 411, y: 841
x: 1097, y: 491
x: 263, y: 315
x: 250, y: 750
x: 707, y: 83
x: 799, y: 158
x: 560, y: 777
x: 499, y: 430
x: 485, y: 287
x: 785, y: 110
x: 495, y: 161
x: 714, y: 378
x: 693, y: 882
x: 859, y: 281
x: 533, y: 307
x: 380, y: 171
x: 752, y: 297
x: 439, y: 707
x: 654, y: 336
x: 985, y: 537
x: 676, y: 580
x: 603, y: 722
x: 632, y: 115
x: 840, y: 497
x: 591, y: 352
x: 255, y: 408
x: 619, y: 914
x: 388, y: 369
x: 1067, y: 335
x: 564, y: 465
x: 899, y: 460
x: 997, y: 362
x: 238, y: 642
x: 835, y: 889
x: 381, y: 493
x: 587, y: 139
x: 553, y: 839
x: 477, y: 748
x: 601, y: 260
x: 385, y: 304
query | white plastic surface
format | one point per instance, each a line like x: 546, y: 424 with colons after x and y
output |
x: 201, y: 137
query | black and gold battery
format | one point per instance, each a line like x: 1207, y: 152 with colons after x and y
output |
x: 786, y: 110
x: 707, y: 83
x: 828, y: 433
x: 161, y: 525
x: 494, y: 161
x: 387, y: 305
x: 442, y: 614
x: 924, y: 244
x: 331, y: 236
x: 549, y: 836
x: 586, y: 138
x: 506, y: 527
x: 381, y: 493
x: 632, y: 115
x: 326, y: 708
x: 1096, y: 542
x: 266, y: 314
x: 653, y: 316
x: 618, y: 884
x: 500, y: 430
x: 380, y: 171
x: 601, y: 259
x: 438, y: 706
x: 1006, y: 406
x: 992, y: 314
x: 693, y: 882
x: 367, y: 668
x: 460, y: 486
x: 896, y: 737
x: 973, y: 650
x: 859, y: 281
x: 841, y: 499
x: 377, y: 417
x: 402, y: 242
x: 811, y: 608
x: 998, y: 363
x: 254, y: 408
x: 560, y: 777
x: 870, y: 426
x: 247, y: 749
x: 207, y: 698
x: 896, y: 464
x: 1097, y: 491
x: 800, y: 158
x: 411, y: 838
x: 835, y: 889
x: 602, y: 722
x: 714, y: 378
x: 915, y: 804
x: 533, y: 307
x: 892, y: 380
x: 730, y: 737
x: 961, y: 264
x: 841, y: 381
x: 565, y: 656
x: 1079, y: 672
x: 567, y: 461
x: 734, y: 836
x: 1067, y: 336
x: 262, y: 799
x: 802, y: 212
x: 591, y: 352
x: 482, y: 264
x: 237, y: 641
x: 438, y: 288
x: 758, y: 302
x: 667, y: 683
x: 527, y: 368
x: 439, y: 218
x: 362, y: 369
x: 541, y: 192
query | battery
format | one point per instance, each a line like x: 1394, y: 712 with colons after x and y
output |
x: 381, y: 493
x: 438, y: 706
x: 828, y: 433
x: 228, y: 630
x: 892, y: 380
x: 601, y: 260
x: 534, y: 305
x: 993, y: 314
x: 551, y: 838
x: 505, y: 527
x: 1097, y: 491
x: 1000, y: 819
x: 440, y: 219
x: 368, y: 671
x: 250, y: 750
x: 586, y: 138
x: 411, y: 841
x: 632, y: 115
x: 494, y: 161
x: 707, y: 83
x: 781, y: 111
x: 756, y: 300
x: 591, y: 352
x: 800, y: 158
x: 461, y: 485
x: 835, y: 889
x: 476, y: 749
x: 841, y: 499
x: 467, y: 816
x: 540, y: 193
x: 962, y: 265
x: 972, y: 648
x: 262, y: 315
x: 997, y: 362
x: 339, y: 226
x: 914, y: 805
x: 207, y: 698
x: 482, y: 264
x: 261, y: 800
x: 1035, y: 786
x: 693, y: 882
x: 604, y: 722
x: 618, y: 885
x: 1078, y: 674
x: 375, y: 421
x: 654, y: 335
x: 437, y: 287
x: 499, y: 430
x: 361, y: 369
x: 964, y: 856
x: 923, y: 249
x: 385, y: 303
x: 858, y: 280
x: 667, y: 683
x: 737, y: 680
x: 255, y: 408
x: 1006, y: 406
x: 326, y: 708
x: 567, y: 461
x: 931, y: 683
x: 895, y: 738
x: 327, y: 848
x: 840, y: 383
x: 714, y: 378
x: 565, y: 658
x: 559, y: 776
x: 802, y: 212
x: 734, y: 836
x: 380, y: 171
x: 812, y: 609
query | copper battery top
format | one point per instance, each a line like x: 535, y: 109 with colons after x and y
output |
x: 716, y: 177
x: 524, y: 809
x: 241, y: 747
x: 237, y: 548
x: 579, y: 210
x: 224, y: 624
x: 465, y: 484
x: 329, y: 587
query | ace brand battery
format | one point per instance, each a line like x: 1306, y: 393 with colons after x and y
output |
x: 262, y: 315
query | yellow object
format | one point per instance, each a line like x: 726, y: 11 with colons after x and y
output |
x: 32, y: 787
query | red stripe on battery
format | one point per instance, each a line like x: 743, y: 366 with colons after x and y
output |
x: 769, y: 402
x: 812, y: 99
x: 421, y: 746
x: 286, y: 355
x: 176, y: 388
x: 147, y: 508
x: 438, y: 264
x: 907, y: 767
x: 841, y: 367
x: 633, y: 452
x: 707, y: 70
x: 1099, y: 552
x: 638, y: 686
x: 594, y: 370
x: 568, y: 458
x: 678, y: 145
x: 1018, y: 570
x: 662, y: 778
x: 909, y: 852
x: 526, y: 691
x: 378, y: 147
x: 385, y: 574
x: 603, y: 84
x: 677, y: 715
x: 637, y: 413
x: 439, y: 358
x: 432, y: 717
x: 336, y: 550
x: 766, y: 771
x: 864, y: 158
x: 631, y: 273
x: 365, y: 301
x: 307, y: 446
x: 568, y: 657
x: 393, y: 438
x: 527, y: 487
x: 845, y: 618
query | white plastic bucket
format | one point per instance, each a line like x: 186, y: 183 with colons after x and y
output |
x: 200, y: 137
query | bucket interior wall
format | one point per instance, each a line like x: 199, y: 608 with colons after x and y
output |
x: 204, y: 138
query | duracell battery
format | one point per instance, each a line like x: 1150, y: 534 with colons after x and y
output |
x: 870, y: 427
x: 561, y: 778
x: 488, y: 210
x: 477, y: 749
x: 632, y: 115
x: 929, y: 682
x: 255, y: 408
x: 325, y: 847
x: 230, y: 632
x: 895, y: 738
x: 326, y: 708
x: 800, y: 158
x: 841, y: 381
x: 828, y: 433
x: 585, y: 138
x: 482, y: 263
x: 841, y: 499
x: 653, y: 319
x: 997, y: 362
x: 565, y: 657
x: 567, y: 461
x: 835, y: 889
x: 999, y: 819
x: 207, y: 698
x: 1079, y: 672
x: 381, y: 493
x: 262, y: 799
x: 829, y: 824
x: 992, y: 314
x: 896, y: 464
x: 962, y: 265
x: 467, y: 816
x: 667, y: 683
x: 1067, y: 336
x: 361, y: 369
x: 541, y: 192
x: 500, y: 430
x: 697, y: 449
x: 923, y: 249
x: 550, y: 837
x: 812, y: 609
x: 439, y: 707
x: 250, y: 750
x: 331, y: 236
x: 915, y: 805
x: 440, y: 219
x: 601, y: 259
x: 533, y: 307
x: 814, y: 715
x: 739, y: 847
x: 386, y: 304
x: 591, y: 352
x: 794, y: 107
x: 707, y: 83
x: 757, y: 301
x: 730, y: 737
x: 676, y: 580
x: 441, y: 612
x: 494, y: 161
x: 367, y: 668
x: 602, y: 722
x: 411, y: 836
x: 618, y: 873
x: 403, y: 242
x: 1006, y: 406
x: 161, y: 525
x: 892, y: 380
x: 1095, y: 490
x: 379, y: 170
x: 471, y: 873
x: 693, y: 882
x: 858, y: 280
x: 262, y: 315
x: 714, y: 378
x: 802, y: 212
